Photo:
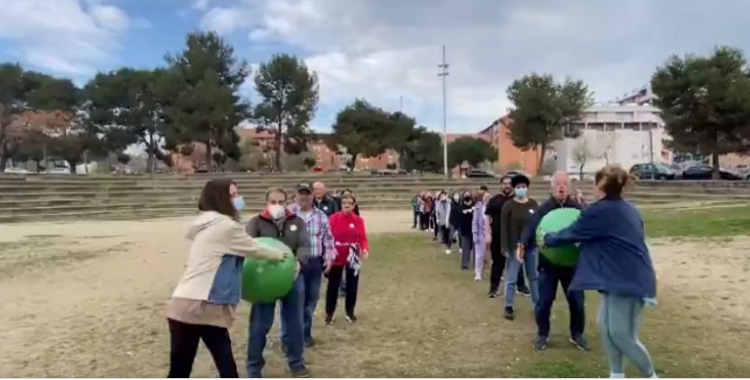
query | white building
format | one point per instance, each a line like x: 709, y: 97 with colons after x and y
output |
x: 618, y: 133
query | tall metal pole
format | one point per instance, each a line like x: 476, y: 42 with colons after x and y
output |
x: 401, y: 104
x: 443, y: 73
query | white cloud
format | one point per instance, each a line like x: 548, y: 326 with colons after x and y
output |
x: 385, y: 49
x: 64, y: 36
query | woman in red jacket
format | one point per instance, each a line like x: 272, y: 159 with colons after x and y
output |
x: 348, y: 230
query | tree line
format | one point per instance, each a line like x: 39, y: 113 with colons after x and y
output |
x: 197, y: 97
x: 704, y: 103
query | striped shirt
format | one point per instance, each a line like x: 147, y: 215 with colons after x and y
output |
x: 321, y: 240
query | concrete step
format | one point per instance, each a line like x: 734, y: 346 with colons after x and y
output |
x: 33, y: 200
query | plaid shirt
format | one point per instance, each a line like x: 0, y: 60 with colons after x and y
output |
x: 321, y: 239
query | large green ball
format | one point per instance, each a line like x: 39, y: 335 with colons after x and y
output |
x: 555, y: 221
x: 265, y: 281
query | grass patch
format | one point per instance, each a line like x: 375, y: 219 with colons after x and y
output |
x: 707, y: 222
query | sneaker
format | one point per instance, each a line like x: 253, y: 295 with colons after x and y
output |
x: 310, y: 343
x: 477, y: 278
x: 540, y: 343
x: 580, y: 343
x: 329, y: 319
x: 524, y: 292
x: 302, y: 373
x: 492, y: 294
x: 509, y: 314
x: 351, y: 318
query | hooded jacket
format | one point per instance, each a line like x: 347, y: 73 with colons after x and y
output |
x: 443, y: 212
x: 209, y: 290
x: 614, y: 256
x: 290, y: 230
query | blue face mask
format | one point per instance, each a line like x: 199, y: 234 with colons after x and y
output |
x: 521, y: 192
x: 239, y: 203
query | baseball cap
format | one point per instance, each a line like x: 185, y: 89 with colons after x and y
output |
x: 304, y: 186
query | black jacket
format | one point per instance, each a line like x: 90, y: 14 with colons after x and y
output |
x: 328, y: 205
x: 528, y: 238
x: 465, y: 219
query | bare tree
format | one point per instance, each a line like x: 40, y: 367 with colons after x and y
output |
x: 581, y: 154
x: 605, y: 143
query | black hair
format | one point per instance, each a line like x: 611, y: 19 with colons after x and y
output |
x: 520, y: 180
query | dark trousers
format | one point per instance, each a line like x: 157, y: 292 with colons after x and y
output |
x: 549, y: 277
x: 184, y: 340
x: 416, y: 219
x: 262, y: 316
x: 335, y: 275
x: 498, y: 266
x: 445, y: 236
x: 424, y: 221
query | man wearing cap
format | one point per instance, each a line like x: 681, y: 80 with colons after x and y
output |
x: 322, y: 252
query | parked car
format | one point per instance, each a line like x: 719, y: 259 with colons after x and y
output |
x: 705, y: 172
x: 513, y: 173
x: 652, y: 171
x: 479, y: 173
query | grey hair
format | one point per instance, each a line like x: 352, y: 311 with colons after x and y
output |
x: 276, y: 190
x: 558, y: 174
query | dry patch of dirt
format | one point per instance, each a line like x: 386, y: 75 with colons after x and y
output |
x: 86, y: 299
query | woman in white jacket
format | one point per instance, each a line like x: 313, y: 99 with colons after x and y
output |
x: 204, y: 302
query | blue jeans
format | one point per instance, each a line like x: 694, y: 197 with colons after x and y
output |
x: 619, y: 321
x: 312, y: 276
x: 513, y: 267
x: 261, y: 321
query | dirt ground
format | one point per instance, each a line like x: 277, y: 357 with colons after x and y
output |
x: 86, y: 299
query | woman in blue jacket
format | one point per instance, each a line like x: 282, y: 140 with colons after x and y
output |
x: 616, y: 262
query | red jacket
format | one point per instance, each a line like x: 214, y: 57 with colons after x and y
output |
x: 347, y: 229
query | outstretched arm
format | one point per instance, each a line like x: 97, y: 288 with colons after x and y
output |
x: 586, y: 227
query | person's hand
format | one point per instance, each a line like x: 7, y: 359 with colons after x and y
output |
x: 297, y: 269
x: 520, y: 253
x: 540, y: 244
x: 327, y: 267
x: 488, y: 238
x: 506, y: 254
x: 365, y: 255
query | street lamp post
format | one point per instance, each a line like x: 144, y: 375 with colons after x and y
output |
x: 443, y: 73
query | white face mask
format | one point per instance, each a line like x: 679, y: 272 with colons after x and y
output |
x: 276, y: 211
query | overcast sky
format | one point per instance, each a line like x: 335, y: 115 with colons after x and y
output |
x: 382, y: 50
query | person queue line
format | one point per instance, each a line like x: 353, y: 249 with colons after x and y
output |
x: 325, y: 234
x: 615, y: 260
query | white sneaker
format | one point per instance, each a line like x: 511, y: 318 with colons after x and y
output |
x: 447, y: 251
x: 477, y: 278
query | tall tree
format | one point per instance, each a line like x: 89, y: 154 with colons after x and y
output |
x: 289, y: 99
x: 12, y: 105
x: 362, y: 129
x: 124, y: 103
x: 705, y: 102
x: 471, y: 150
x: 65, y: 120
x: 201, y: 99
x: 545, y: 111
x: 423, y: 151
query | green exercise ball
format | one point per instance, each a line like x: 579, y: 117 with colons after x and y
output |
x: 557, y: 220
x: 266, y: 281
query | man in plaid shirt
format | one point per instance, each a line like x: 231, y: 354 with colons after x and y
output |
x: 322, y: 252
